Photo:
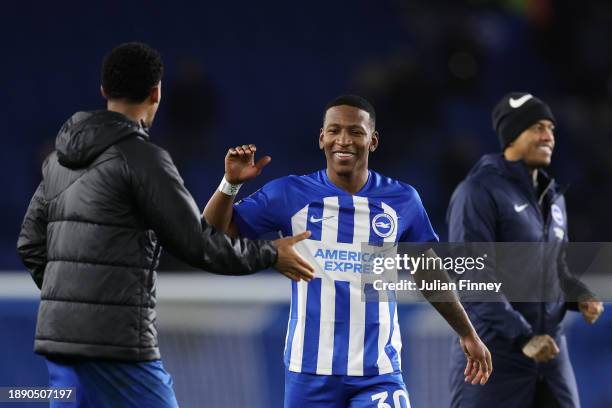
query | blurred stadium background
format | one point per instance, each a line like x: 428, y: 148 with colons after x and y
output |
x: 261, y: 72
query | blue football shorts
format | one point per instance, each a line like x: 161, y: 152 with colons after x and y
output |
x: 340, y: 391
x: 101, y: 384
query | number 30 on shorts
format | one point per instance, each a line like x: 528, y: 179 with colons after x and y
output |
x: 398, y: 395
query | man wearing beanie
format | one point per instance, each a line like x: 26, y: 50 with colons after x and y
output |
x: 508, y: 197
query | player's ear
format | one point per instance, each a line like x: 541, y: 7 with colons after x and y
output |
x: 103, y: 92
x: 374, y: 142
x: 321, y: 139
x: 155, y: 94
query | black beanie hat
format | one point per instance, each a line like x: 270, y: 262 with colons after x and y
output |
x: 515, y: 112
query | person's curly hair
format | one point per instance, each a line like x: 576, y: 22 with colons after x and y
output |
x: 130, y: 71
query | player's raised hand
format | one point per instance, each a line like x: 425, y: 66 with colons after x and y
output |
x: 240, y: 164
x: 479, y: 364
x: 289, y: 262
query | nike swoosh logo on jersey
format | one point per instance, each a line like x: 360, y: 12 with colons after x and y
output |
x: 519, y: 208
x: 517, y: 103
x: 314, y: 219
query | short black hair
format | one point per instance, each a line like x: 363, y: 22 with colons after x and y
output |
x: 130, y: 71
x: 355, y: 101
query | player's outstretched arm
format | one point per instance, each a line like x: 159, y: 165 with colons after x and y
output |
x: 169, y: 209
x: 479, y: 365
x: 240, y: 167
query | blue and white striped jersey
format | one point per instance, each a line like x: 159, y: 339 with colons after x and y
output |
x: 331, y: 329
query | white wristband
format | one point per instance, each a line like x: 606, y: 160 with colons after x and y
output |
x: 228, y: 188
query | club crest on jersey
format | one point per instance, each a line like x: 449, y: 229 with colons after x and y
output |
x: 383, y: 225
x: 557, y: 214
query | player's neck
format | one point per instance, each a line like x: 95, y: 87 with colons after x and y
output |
x: 136, y: 112
x: 351, y: 183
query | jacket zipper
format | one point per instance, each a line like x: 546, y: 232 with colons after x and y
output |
x: 544, y: 239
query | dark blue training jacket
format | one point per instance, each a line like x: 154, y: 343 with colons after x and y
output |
x: 497, y: 202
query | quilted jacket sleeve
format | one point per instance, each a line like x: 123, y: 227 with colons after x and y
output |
x: 172, y: 213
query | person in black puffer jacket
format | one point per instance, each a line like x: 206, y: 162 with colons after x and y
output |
x: 92, y: 235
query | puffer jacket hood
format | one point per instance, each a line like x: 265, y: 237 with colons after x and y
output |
x: 87, y: 134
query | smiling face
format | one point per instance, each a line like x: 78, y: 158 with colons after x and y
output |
x: 347, y: 138
x: 534, y: 146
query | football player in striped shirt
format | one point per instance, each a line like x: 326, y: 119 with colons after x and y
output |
x: 340, y: 351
